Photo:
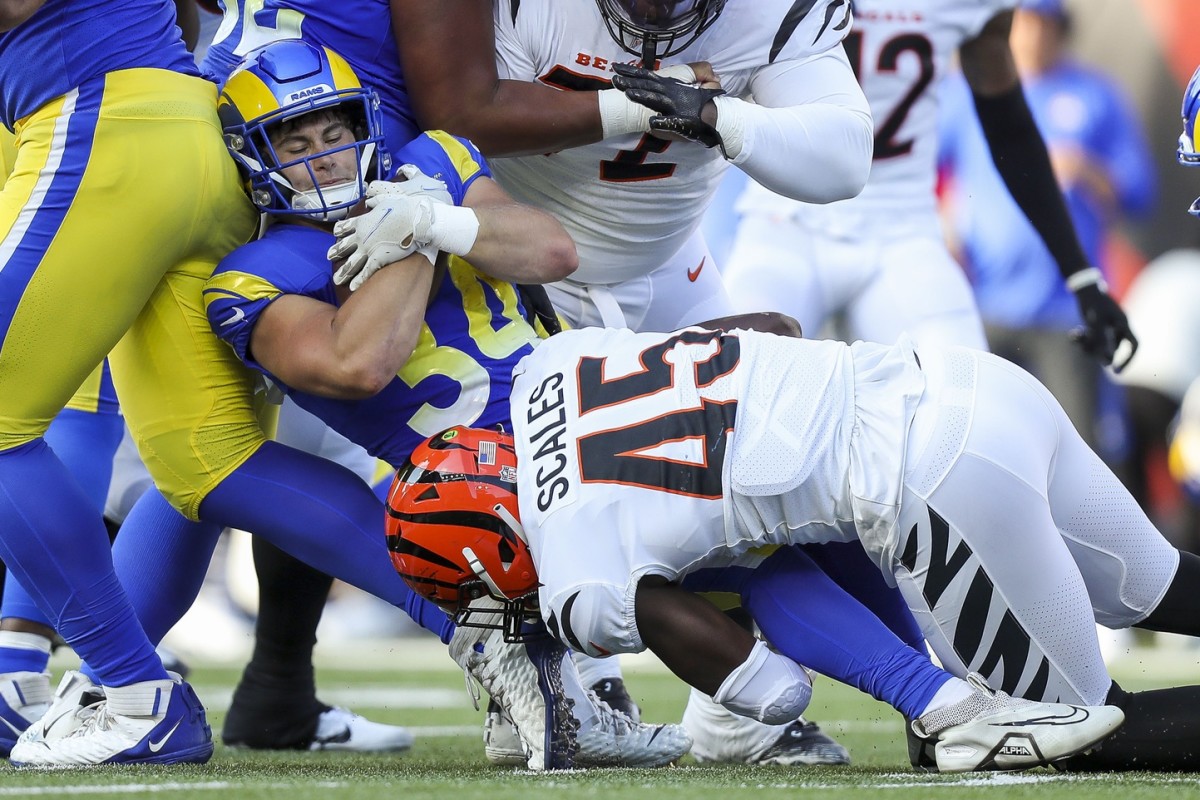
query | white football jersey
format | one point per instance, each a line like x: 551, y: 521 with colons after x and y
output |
x: 650, y: 453
x: 630, y: 202
x: 899, y: 49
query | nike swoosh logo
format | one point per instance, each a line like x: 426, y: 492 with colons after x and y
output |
x: 156, y: 746
x: 238, y: 316
x: 695, y: 273
x: 387, y: 213
x: 1076, y: 716
x: 654, y: 735
x: 46, y: 726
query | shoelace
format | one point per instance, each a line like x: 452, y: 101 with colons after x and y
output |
x: 609, y: 716
x: 96, y: 717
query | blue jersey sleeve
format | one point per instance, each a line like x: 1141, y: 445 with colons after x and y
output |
x: 290, y: 259
x: 452, y: 159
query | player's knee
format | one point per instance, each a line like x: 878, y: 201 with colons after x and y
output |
x: 768, y: 687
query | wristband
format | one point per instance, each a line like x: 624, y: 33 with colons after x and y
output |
x: 1086, y: 277
x: 619, y: 115
x: 731, y: 126
x: 453, y: 229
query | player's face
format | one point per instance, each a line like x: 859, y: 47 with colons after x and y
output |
x: 312, y: 136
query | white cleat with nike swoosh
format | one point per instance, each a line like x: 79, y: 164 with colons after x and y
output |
x: 152, y: 722
x: 992, y: 731
x: 24, y: 698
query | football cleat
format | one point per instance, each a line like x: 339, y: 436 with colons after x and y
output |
x: 617, y: 741
x: 992, y: 731
x: 525, y: 679
x: 921, y: 752
x: 720, y: 736
x: 803, y: 743
x: 24, y: 698
x: 613, y: 692
x: 501, y: 741
x: 342, y: 729
x: 173, y: 730
x: 74, y: 701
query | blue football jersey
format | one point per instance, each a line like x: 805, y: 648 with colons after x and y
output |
x: 474, y: 332
x: 69, y: 42
x: 360, y: 31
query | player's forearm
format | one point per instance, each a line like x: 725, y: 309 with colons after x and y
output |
x: 14, y: 12
x: 519, y: 118
x: 815, y: 153
x: 1021, y: 158
x: 692, y: 637
x: 375, y: 331
x: 521, y: 244
x: 808, y: 135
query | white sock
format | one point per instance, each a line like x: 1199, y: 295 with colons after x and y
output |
x: 952, y: 691
x: 595, y: 670
x: 20, y: 640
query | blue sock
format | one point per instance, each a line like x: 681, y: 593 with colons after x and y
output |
x: 161, y: 558
x: 86, y: 442
x: 850, y: 568
x: 324, y: 515
x: 19, y: 605
x: 56, y: 545
x: 813, y: 621
x: 23, y: 652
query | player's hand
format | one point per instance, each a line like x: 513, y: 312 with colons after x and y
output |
x: 681, y: 105
x: 1104, y: 327
x: 416, y: 182
x: 397, y: 223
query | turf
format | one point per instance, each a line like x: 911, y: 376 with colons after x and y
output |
x: 414, y: 683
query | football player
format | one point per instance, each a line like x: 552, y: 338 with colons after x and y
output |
x: 610, y: 164
x: 414, y: 345
x: 880, y: 257
x: 700, y: 450
x: 106, y: 226
x: 518, y: 116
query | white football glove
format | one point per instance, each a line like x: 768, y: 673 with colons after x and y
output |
x: 397, y: 224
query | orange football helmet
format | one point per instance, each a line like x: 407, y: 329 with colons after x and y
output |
x: 454, y: 533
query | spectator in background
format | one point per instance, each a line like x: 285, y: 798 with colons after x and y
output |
x: 1103, y: 166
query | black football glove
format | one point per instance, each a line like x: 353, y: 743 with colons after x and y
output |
x: 1104, y: 327
x: 678, y: 104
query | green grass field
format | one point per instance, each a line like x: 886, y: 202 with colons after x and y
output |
x: 413, y: 682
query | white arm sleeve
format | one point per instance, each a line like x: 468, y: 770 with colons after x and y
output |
x: 808, y: 134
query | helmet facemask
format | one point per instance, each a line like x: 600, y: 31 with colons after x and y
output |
x: 656, y: 29
x: 278, y: 88
x: 270, y: 188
